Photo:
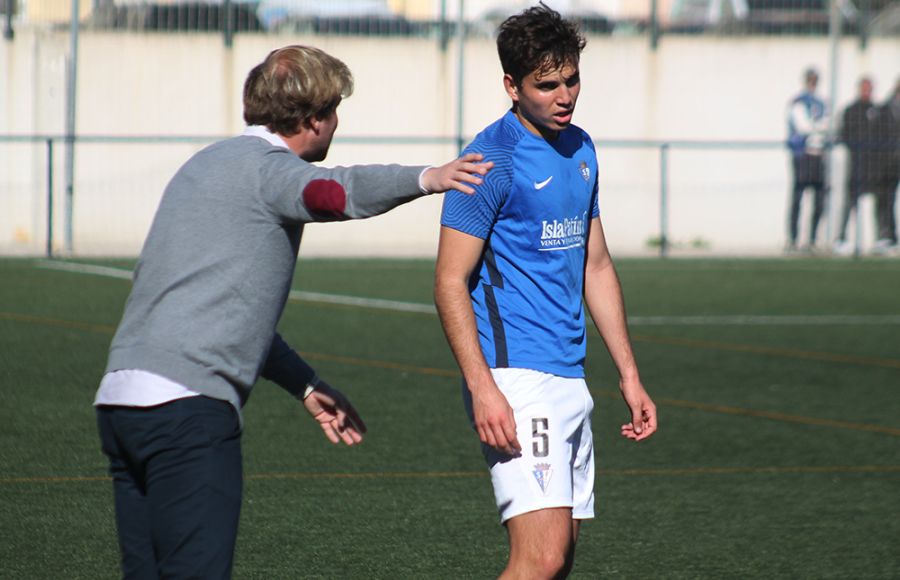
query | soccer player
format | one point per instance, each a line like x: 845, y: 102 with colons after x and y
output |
x: 513, y: 263
x: 209, y: 288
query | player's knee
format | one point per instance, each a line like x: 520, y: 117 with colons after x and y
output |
x: 551, y: 563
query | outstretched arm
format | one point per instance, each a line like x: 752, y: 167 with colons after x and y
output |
x: 458, y: 253
x: 603, y: 296
x: 302, y: 192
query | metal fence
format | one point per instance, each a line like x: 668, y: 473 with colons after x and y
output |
x: 441, y: 18
x: 650, y: 191
x: 657, y: 200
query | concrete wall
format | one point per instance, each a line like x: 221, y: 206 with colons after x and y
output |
x: 728, y: 200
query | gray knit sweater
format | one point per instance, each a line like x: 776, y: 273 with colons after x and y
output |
x: 217, y: 266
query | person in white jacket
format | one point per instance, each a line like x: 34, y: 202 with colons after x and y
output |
x: 807, y: 131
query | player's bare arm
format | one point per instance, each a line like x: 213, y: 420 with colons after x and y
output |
x: 334, y: 413
x: 603, y: 296
x: 458, y: 253
x: 456, y: 174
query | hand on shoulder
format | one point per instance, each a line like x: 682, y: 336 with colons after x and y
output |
x: 467, y: 169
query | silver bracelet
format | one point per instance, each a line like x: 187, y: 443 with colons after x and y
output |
x: 310, y: 387
x: 422, y: 187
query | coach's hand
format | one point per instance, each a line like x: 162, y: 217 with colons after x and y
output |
x: 337, y: 417
x: 456, y: 174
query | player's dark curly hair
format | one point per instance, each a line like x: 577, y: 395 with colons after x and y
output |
x: 537, y: 39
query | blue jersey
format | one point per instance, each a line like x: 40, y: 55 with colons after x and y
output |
x: 533, y: 210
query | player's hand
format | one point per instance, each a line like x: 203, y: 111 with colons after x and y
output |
x: 337, y: 417
x: 494, y: 420
x: 643, y: 411
x: 456, y: 174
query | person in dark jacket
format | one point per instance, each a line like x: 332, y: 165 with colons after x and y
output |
x: 860, y: 134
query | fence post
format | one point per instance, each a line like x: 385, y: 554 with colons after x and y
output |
x: 444, y: 28
x: 49, y: 197
x: 227, y: 24
x: 461, y: 73
x: 8, y: 32
x: 71, y: 95
x: 663, y: 200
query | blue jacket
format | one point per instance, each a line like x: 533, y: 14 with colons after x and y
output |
x: 799, y: 129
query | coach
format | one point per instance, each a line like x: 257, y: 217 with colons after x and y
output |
x: 209, y: 289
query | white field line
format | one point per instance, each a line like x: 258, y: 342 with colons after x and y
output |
x: 398, y: 306
x: 766, y: 320
x: 364, y: 302
x: 85, y: 269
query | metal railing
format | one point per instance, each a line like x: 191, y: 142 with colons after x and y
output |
x: 655, y: 20
x: 663, y: 148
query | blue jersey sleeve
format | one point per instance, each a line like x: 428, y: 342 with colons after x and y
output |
x: 475, y: 214
x: 595, y: 192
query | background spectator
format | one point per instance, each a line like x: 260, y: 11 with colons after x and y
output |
x: 888, y: 172
x: 860, y: 133
x: 806, y: 138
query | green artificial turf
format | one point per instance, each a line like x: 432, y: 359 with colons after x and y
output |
x: 778, y: 454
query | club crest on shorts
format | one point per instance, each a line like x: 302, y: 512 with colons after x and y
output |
x: 542, y: 473
x: 584, y: 170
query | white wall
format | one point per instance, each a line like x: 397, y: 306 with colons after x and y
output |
x: 691, y: 88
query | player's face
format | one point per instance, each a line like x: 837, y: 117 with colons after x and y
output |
x: 545, y: 103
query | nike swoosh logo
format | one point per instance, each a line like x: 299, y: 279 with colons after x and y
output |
x: 543, y: 184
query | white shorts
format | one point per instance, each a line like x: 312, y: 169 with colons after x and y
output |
x: 553, y: 424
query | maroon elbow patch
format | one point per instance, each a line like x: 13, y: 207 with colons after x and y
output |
x: 325, y: 197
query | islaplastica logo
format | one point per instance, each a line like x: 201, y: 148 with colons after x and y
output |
x: 564, y: 233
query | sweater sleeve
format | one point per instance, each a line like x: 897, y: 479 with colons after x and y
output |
x: 284, y: 367
x: 301, y: 192
x: 801, y: 119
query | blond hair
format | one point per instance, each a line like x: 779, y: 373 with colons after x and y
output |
x: 292, y: 85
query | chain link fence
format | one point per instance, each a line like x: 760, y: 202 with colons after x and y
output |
x: 656, y: 18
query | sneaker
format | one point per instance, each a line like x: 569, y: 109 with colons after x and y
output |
x: 812, y: 249
x: 842, y: 248
x: 883, y: 247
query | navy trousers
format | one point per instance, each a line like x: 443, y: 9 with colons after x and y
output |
x: 177, y: 481
x: 809, y: 172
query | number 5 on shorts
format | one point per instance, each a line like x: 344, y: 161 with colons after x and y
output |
x: 541, y: 444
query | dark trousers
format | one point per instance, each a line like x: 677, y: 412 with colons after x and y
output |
x: 886, y: 208
x: 177, y: 480
x: 809, y: 172
x: 855, y: 189
x: 857, y: 186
